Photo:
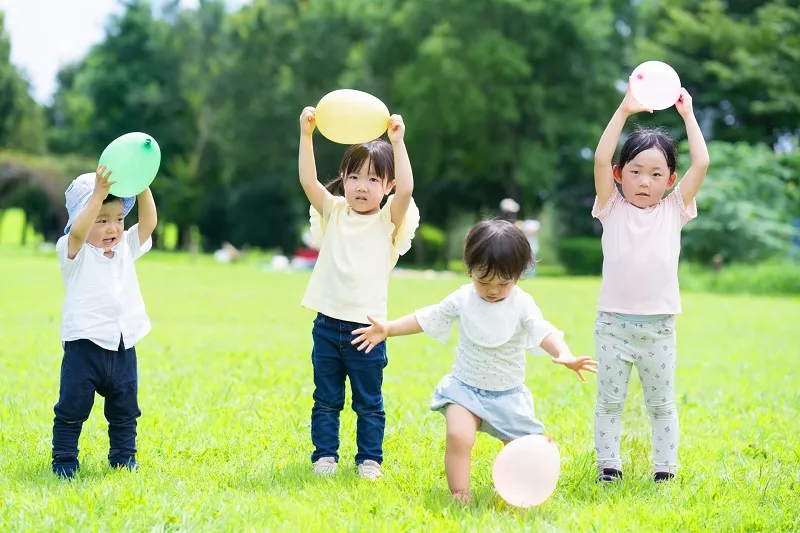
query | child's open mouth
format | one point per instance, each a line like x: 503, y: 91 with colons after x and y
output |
x: 109, y: 242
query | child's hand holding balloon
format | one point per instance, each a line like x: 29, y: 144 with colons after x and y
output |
x: 684, y: 104
x: 397, y: 129
x: 101, y: 182
x: 630, y: 105
x: 308, y: 121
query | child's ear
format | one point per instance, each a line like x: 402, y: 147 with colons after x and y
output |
x: 390, y: 186
x: 672, y: 179
x: 617, y: 173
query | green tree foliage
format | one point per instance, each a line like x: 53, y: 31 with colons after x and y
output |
x: 738, y: 58
x: 747, y: 204
x: 501, y: 99
x: 21, y: 119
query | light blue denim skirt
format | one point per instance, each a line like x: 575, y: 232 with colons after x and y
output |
x: 506, y: 415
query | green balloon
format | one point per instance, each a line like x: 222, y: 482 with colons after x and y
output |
x: 133, y: 160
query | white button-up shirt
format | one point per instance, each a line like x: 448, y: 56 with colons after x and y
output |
x: 103, y: 300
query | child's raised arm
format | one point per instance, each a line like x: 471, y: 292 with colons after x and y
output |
x: 373, y: 335
x: 403, y: 176
x: 148, y: 217
x: 604, y: 154
x: 693, y: 179
x: 315, y: 192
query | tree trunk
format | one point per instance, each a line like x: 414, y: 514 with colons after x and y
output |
x: 420, y: 251
x: 24, y: 239
x: 185, y: 237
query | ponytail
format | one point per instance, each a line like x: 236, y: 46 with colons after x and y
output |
x: 334, y: 186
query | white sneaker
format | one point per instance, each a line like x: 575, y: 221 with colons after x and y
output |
x: 369, y: 470
x: 325, y: 466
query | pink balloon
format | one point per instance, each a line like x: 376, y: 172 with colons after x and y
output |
x: 526, y: 471
x: 655, y: 85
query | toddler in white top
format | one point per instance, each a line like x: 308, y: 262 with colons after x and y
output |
x: 497, y: 323
x: 359, y: 243
x: 639, y: 294
x: 103, y: 318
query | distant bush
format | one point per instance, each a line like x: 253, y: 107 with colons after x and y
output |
x: 746, y: 205
x: 580, y: 256
x: 772, y: 278
x: 435, y: 240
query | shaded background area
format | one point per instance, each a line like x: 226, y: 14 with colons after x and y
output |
x: 502, y: 99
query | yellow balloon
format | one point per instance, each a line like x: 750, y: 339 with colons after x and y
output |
x: 348, y: 116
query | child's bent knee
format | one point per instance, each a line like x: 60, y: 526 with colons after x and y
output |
x: 462, y: 438
x: 662, y: 411
x: 609, y: 407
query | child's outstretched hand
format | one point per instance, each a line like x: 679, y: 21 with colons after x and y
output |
x: 577, y: 364
x: 371, y: 336
x: 397, y: 128
x: 101, y: 182
x: 630, y: 105
x: 308, y: 120
x: 684, y: 103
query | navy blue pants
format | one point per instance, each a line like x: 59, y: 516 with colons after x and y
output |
x: 335, y: 359
x: 85, y: 369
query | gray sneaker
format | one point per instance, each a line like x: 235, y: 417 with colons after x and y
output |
x: 325, y: 466
x: 369, y: 470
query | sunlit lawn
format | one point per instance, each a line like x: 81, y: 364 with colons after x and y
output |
x: 225, y: 388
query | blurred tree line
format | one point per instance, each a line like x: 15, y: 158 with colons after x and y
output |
x: 502, y: 98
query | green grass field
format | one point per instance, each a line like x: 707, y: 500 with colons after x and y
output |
x: 225, y: 390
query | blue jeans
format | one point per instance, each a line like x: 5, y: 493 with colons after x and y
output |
x: 334, y: 358
x: 85, y: 369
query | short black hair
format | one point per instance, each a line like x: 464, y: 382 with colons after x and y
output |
x: 644, y: 138
x: 111, y: 198
x: 497, y: 247
x: 380, y: 155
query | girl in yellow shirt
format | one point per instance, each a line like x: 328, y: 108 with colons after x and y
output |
x: 359, y: 243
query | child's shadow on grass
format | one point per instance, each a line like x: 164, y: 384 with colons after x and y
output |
x: 438, y: 499
x: 586, y: 488
x: 291, y: 477
x: 38, y: 476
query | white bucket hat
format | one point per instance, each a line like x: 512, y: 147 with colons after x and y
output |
x: 78, y: 194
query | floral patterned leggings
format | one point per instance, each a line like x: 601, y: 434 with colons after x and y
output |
x: 648, y: 343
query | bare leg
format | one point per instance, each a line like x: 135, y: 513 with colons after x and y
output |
x: 462, y: 426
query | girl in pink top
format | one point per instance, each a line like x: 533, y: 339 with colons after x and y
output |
x: 639, y: 295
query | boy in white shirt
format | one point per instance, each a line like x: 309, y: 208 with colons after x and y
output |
x: 103, y: 317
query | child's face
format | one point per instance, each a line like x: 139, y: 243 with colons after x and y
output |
x: 364, y: 189
x: 492, y: 288
x: 645, y: 178
x: 107, y: 229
